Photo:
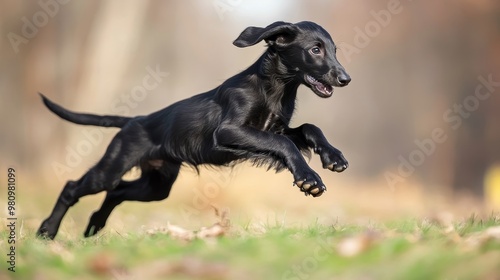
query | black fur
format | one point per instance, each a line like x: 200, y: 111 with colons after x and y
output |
x: 245, y: 118
x: 85, y: 119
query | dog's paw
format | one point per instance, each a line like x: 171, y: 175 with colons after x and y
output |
x: 333, y: 160
x: 46, y: 231
x: 96, y: 223
x: 310, y: 184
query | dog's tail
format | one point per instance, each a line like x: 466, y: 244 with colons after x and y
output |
x: 85, y: 119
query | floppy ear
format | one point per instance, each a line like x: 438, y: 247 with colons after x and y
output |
x: 279, y: 33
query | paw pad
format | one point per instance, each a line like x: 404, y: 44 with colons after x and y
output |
x: 310, y: 188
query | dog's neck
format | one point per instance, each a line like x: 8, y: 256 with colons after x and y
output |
x: 276, y: 78
x: 274, y: 70
x: 273, y: 79
x: 279, y: 83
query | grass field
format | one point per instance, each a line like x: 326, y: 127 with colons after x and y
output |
x: 349, y: 233
x: 406, y: 249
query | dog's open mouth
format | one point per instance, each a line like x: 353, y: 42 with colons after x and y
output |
x: 321, y: 88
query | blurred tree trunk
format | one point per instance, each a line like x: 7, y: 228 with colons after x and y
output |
x: 478, y: 138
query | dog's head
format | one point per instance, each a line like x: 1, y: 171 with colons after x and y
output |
x: 307, y: 50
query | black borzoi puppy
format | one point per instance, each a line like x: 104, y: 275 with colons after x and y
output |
x: 245, y: 118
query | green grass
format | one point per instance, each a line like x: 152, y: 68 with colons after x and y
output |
x: 404, y: 249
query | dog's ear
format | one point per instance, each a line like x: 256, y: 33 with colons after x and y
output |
x: 279, y: 33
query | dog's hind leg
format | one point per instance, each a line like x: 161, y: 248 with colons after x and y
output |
x: 125, y: 150
x: 153, y: 185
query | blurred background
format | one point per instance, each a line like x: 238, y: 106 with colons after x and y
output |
x: 418, y: 123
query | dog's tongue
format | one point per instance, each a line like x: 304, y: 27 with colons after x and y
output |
x: 327, y: 90
x: 324, y: 89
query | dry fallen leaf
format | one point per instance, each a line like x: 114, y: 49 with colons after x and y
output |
x: 223, y: 216
x: 102, y: 264
x: 354, y: 245
x: 179, y: 233
x: 481, y: 238
x: 493, y: 232
x: 216, y: 230
x: 209, y: 232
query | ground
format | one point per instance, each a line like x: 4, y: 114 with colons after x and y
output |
x: 250, y: 224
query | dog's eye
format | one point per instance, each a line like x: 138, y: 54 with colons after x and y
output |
x: 315, y: 50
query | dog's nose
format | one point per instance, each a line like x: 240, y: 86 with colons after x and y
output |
x: 343, y: 79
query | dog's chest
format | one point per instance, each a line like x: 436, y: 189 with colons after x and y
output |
x: 275, y: 119
x: 270, y: 122
x: 272, y: 113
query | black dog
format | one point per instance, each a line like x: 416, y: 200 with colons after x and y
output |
x: 245, y: 118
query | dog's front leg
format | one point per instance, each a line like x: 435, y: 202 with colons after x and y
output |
x: 281, y: 148
x: 314, y: 138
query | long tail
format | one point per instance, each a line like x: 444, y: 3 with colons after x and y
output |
x: 85, y: 119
